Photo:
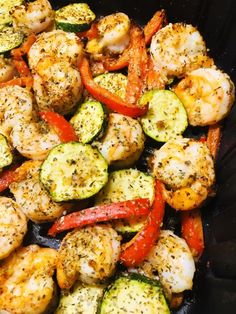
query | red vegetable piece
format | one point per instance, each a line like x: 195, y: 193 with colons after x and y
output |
x: 138, y: 248
x: 63, y: 128
x: 7, y: 177
x: 126, y: 209
x: 24, y: 48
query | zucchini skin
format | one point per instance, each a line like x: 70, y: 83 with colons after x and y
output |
x: 73, y: 171
x: 131, y: 293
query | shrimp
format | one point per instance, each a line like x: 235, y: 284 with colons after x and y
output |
x: 13, y: 226
x: 33, y: 17
x: 16, y: 106
x: 34, y: 140
x: 172, y: 259
x: 123, y: 142
x: 177, y: 48
x: 57, y: 85
x: 7, y: 69
x: 32, y: 197
x: 186, y: 168
x: 26, y: 280
x: 207, y: 94
x: 113, y: 31
x: 89, y: 254
x: 59, y: 44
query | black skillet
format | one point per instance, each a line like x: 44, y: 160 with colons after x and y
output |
x: 215, y: 281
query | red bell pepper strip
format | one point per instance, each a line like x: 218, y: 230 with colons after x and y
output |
x: 213, y: 139
x: 115, y: 64
x: 156, y: 23
x: 22, y: 67
x: 63, y: 128
x: 138, y: 248
x: 137, y: 68
x: 24, y: 48
x: 112, y: 101
x: 101, y: 213
x: 89, y: 34
x: 8, y: 176
x: 26, y: 81
x: 192, y: 231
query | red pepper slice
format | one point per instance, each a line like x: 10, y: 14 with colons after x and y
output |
x: 213, y: 139
x: 22, y: 67
x: 156, y: 22
x: 8, y: 176
x: 126, y: 209
x: 137, y: 68
x: 20, y: 81
x: 24, y: 48
x: 89, y: 34
x: 138, y: 248
x: 111, y: 100
x: 63, y: 128
x: 192, y: 231
x: 115, y: 64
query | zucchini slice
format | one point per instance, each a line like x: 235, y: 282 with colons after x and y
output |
x: 5, y: 8
x: 73, y: 171
x: 127, y: 184
x: 9, y: 39
x: 166, y: 116
x: 114, y: 82
x: 6, y: 156
x: 89, y: 121
x: 134, y: 293
x: 75, y: 17
x: 83, y: 299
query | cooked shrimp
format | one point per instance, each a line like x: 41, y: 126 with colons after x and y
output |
x: 123, y: 142
x: 59, y: 44
x: 33, y: 17
x: 172, y: 259
x: 7, y: 69
x: 89, y: 254
x: 13, y: 226
x: 207, y: 94
x: 34, y: 140
x: 26, y: 280
x: 57, y: 85
x: 16, y: 106
x: 113, y: 33
x: 176, y: 48
x: 186, y: 167
x: 32, y: 197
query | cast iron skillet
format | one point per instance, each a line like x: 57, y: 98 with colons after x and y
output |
x: 215, y: 281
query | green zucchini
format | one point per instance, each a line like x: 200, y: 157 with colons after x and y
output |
x: 6, y: 155
x: 135, y: 294
x: 89, y: 121
x: 114, y: 82
x: 75, y: 17
x: 9, y: 39
x: 166, y: 116
x: 73, y: 171
x: 84, y: 299
x: 127, y: 184
x: 5, y: 7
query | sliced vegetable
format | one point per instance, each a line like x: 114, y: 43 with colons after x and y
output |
x: 90, y: 121
x: 123, y: 185
x: 63, y: 128
x: 115, y: 64
x: 83, y: 299
x: 166, y: 116
x: 137, y: 67
x: 213, y: 139
x: 7, y: 177
x: 89, y: 34
x: 138, y: 248
x: 24, y: 48
x: 6, y: 156
x: 101, y: 213
x: 22, y: 67
x: 154, y: 25
x: 9, y: 39
x: 73, y: 171
x: 5, y: 7
x: 111, y: 100
x: 134, y: 293
x: 192, y: 231
x: 75, y: 17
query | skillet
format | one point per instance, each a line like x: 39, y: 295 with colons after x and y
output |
x: 215, y: 281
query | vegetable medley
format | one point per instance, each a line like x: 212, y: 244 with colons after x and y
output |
x: 82, y: 98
